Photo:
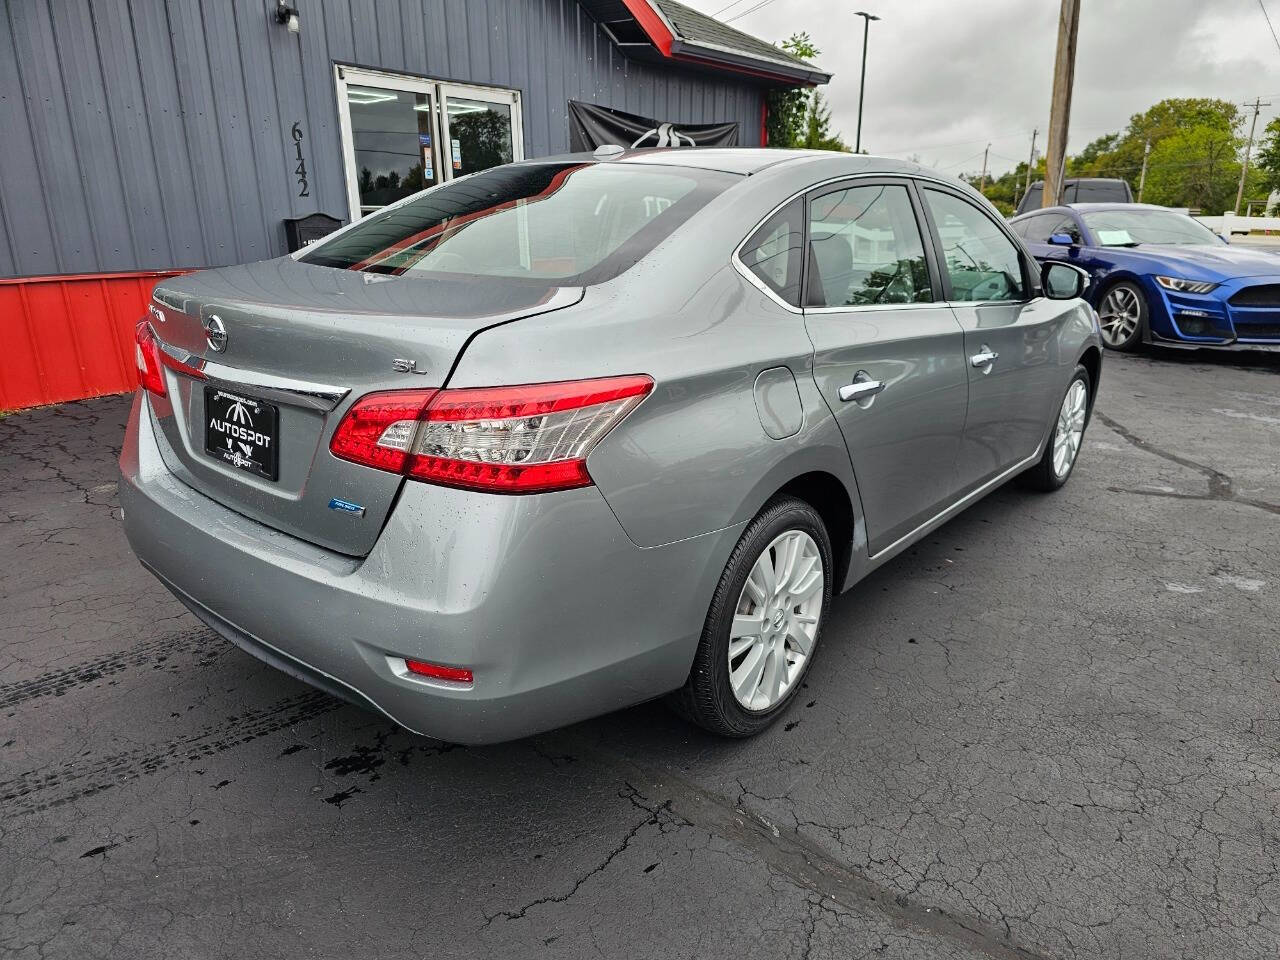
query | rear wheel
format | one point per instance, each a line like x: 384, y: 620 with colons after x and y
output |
x: 1122, y: 314
x: 764, y: 623
x: 1054, y: 468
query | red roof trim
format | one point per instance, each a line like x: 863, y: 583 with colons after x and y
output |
x: 677, y: 48
x: 652, y: 24
x: 721, y: 65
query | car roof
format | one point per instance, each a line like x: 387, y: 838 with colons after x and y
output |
x: 1114, y: 205
x: 744, y: 161
x: 1089, y: 208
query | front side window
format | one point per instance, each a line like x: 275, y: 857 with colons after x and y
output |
x: 1040, y: 229
x: 865, y: 249
x: 982, y: 263
x: 577, y: 223
x: 774, y: 252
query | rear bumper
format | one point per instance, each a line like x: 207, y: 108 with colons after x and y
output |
x: 558, y: 614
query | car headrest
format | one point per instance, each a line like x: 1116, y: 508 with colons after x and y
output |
x: 830, y: 264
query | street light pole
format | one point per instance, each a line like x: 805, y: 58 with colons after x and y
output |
x: 862, y: 86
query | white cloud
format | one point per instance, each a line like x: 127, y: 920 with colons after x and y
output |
x: 944, y: 78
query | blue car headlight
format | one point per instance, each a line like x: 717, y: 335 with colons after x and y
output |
x: 1179, y: 285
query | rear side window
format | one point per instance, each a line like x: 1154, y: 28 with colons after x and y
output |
x: 774, y: 252
x: 865, y: 249
x: 572, y: 223
x: 982, y: 263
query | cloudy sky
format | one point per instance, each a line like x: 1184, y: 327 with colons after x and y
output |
x: 944, y: 78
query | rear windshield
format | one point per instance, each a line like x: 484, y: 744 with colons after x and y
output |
x: 575, y: 224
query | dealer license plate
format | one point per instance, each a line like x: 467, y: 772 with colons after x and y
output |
x: 242, y: 432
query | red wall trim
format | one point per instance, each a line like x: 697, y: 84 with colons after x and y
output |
x: 70, y: 337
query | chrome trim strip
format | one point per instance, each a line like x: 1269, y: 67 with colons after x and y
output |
x: 299, y: 393
x: 962, y: 502
x: 879, y: 307
x: 755, y: 281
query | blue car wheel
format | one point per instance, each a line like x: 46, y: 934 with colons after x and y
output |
x: 1122, y: 314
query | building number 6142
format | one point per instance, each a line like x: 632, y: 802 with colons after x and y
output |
x: 301, y: 169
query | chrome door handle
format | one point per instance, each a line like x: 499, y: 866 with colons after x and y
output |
x: 861, y: 389
x: 984, y: 357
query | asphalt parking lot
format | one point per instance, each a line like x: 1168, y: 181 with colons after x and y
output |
x: 1050, y: 730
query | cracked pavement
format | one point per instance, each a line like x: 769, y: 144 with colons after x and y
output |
x: 1048, y: 730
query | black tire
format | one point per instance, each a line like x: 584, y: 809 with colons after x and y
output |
x: 1134, y: 339
x: 707, y: 698
x: 1043, y: 476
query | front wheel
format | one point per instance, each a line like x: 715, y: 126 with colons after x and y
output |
x: 1122, y: 315
x: 1054, y: 468
x: 764, y: 623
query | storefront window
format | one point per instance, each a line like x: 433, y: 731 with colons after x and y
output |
x: 480, y: 133
x: 402, y: 134
x: 392, y: 133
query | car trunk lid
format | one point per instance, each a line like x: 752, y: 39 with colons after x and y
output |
x: 249, y: 424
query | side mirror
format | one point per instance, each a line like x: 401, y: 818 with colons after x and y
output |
x: 1062, y: 281
x: 1063, y: 240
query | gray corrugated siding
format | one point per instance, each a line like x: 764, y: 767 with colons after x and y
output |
x: 150, y: 134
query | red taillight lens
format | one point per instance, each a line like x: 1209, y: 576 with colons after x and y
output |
x: 378, y: 430
x: 527, y: 439
x: 147, y: 356
x: 437, y: 672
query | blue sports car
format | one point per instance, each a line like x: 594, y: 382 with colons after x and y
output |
x: 1161, y: 277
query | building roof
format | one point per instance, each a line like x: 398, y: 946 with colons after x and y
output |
x: 668, y: 30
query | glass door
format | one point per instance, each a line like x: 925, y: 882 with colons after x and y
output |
x: 480, y: 128
x: 389, y: 137
x: 403, y: 134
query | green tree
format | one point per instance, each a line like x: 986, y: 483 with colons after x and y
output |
x: 1005, y: 190
x: 1119, y: 155
x: 1196, y: 167
x: 817, y: 133
x: 799, y: 117
x: 1267, y: 161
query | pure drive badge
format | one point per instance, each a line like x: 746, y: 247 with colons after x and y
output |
x: 346, y: 506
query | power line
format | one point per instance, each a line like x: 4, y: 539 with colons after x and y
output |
x: 727, y: 6
x: 1269, y: 24
x: 952, y: 166
x: 739, y: 16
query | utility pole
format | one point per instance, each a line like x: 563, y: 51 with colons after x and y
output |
x: 1031, y: 161
x: 1257, y: 105
x: 862, y: 86
x: 1142, y: 178
x: 982, y: 184
x: 1064, y: 71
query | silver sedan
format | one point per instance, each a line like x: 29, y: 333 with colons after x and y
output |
x: 571, y: 434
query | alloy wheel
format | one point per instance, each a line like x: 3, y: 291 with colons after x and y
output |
x: 1119, y: 316
x: 1070, y: 432
x: 776, y: 621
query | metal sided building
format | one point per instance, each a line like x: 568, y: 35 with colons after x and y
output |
x: 139, y: 138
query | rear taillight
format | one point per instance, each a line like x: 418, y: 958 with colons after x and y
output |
x: 146, y: 354
x: 527, y: 439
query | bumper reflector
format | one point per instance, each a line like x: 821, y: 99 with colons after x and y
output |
x: 437, y: 672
